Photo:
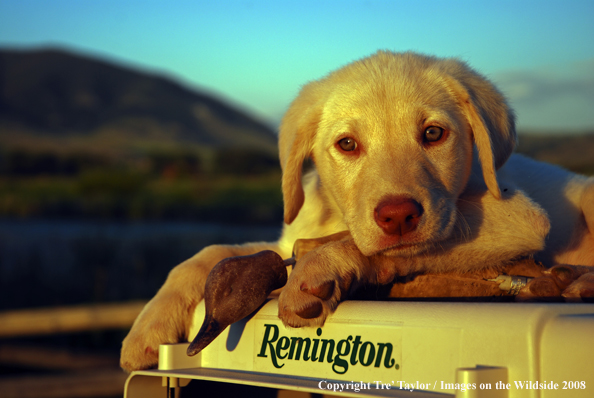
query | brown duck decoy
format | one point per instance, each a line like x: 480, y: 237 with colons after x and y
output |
x: 235, y: 288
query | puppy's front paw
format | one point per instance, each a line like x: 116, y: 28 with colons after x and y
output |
x: 581, y: 289
x: 321, y: 278
x: 160, y: 322
x: 307, y: 301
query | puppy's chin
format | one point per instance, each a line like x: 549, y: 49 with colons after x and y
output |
x: 407, y: 250
x: 418, y: 242
x: 400, y: 250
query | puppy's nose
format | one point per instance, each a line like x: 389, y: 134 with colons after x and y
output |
x: 398, y: 215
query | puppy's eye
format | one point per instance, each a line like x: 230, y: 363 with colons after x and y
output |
x: 433, y: 134
x: 347, y: 144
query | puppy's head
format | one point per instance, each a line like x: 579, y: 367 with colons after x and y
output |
x: 392, y: 139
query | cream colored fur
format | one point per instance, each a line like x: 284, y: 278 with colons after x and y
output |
x: 482, y: 206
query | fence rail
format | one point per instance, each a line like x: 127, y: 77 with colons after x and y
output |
x: 38, y: 322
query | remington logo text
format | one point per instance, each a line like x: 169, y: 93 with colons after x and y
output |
x: 341, y: 354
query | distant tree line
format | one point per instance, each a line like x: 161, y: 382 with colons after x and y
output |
x: 19, y: 162
x: 172, y: 163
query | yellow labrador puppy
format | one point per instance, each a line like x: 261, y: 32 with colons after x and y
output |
x: 413, y: 156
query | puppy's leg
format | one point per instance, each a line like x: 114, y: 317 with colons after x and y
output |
x: 167, y: 317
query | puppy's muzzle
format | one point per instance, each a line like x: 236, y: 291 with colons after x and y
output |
x: 398, y: 215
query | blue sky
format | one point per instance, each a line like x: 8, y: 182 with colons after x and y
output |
x: 257, y: 54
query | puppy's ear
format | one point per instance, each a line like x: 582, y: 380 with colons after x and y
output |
x: 297, y: 133
x: 492, y: 121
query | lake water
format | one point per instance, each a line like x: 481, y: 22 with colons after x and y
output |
x: 49, y: 262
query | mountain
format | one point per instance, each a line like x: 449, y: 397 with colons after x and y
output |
x: 54, y: 93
